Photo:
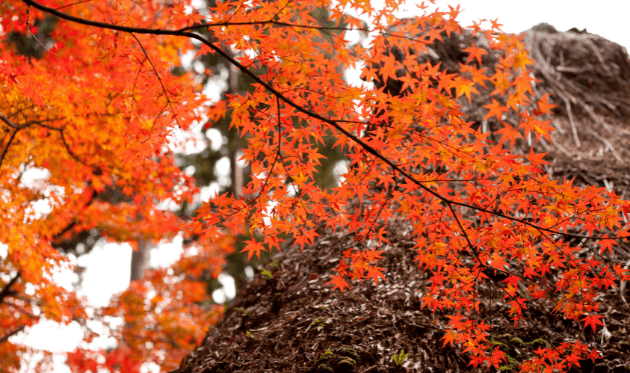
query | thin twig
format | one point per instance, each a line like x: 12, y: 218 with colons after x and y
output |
x: 573, y: 129
x: 63, y: 139
x: 73, y: 4
x: 606, y: 142
x: 159, y: 79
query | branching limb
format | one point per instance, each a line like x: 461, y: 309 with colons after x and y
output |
x: 369, y: 149
x: 5, y: 337
x: 6, y: 290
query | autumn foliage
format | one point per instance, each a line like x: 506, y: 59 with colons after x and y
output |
x: 98, y: 110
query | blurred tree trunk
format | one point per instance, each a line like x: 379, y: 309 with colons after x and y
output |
x: 236, y: 173
x: 140, y: 256
x: 139, y: 260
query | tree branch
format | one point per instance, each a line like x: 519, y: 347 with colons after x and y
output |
x: 300, y: 109
x: 6, y: 290
x: 5, y: 337
x: 9, y: 122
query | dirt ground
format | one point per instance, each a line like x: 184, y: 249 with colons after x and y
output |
x: 291, y: 321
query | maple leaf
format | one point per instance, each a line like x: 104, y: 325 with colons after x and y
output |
x: 509, y: 133
x: 593, y: 321
x: 437, y: 279
x: 375, y: 273
x: 495, y: 24
x: 512, y: 280
x: 203, y: 50
x: 464, y: 87
x: 495, y: 109
x: 536, y: 158
x: 475, y: 53
x: 338, y: 283
x: 497, y: 357
x: 606, y: 244
x: 594, y: 355
x: 543, y: 106
x: 372, y: 255
x: 449, y: 337
x: 253, y: 247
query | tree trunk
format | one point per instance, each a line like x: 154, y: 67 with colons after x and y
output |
x: 139, y: 260
x: 236, y: 173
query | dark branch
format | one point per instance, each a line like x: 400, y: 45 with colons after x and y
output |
x: 9, y: 122
x: 159, y: 79
x: 6, y: 290
x: 60, y: 234
x: 6, y: 148
x: 297, y: 107
x: 5, y: 337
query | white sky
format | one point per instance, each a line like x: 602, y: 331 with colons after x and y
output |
x: 108, y: 265
x: 607, y: 18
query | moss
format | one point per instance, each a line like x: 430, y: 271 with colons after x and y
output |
x: 508, y: 337
x: 512, y: 365
x: 343, y: 360
x: 326, y: 355
x: 324, y: 368
x: 350, y: 352
x: 346, y: 361
x: 510, y: 345
x: 498, y: 343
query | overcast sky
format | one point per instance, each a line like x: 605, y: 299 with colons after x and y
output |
x: 607, y: 18
x: 108, y: 267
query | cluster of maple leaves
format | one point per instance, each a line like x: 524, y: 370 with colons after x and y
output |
x: 97, y: 112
